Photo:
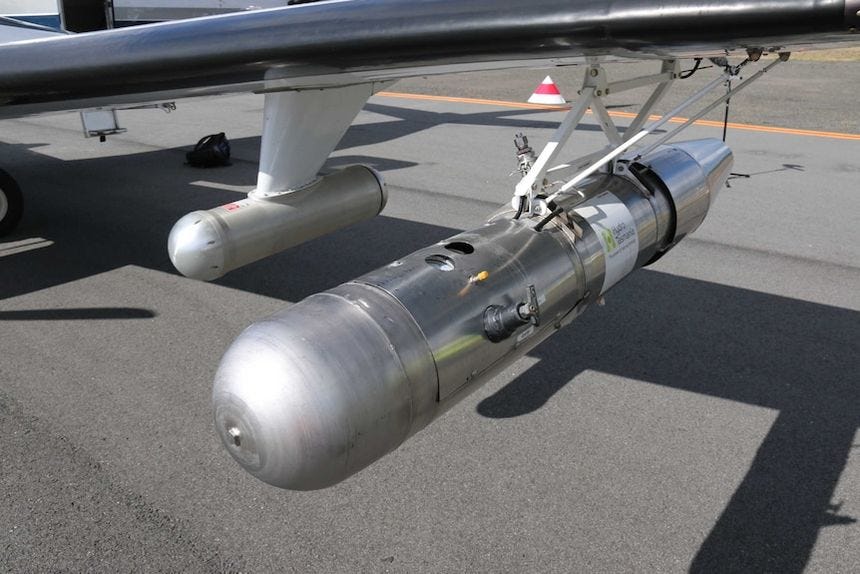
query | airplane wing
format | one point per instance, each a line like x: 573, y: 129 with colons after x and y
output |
x: 337, y: 42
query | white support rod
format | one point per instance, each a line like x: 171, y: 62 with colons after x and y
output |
x: 632, y: 83
x: 599, y: 164
x: 670, y: 67
x: 606, y: 123
x: 688, y: 102
x: 643, y: 133
x: 578, y: 163
x: 551, y: 149
x: 663, y: 139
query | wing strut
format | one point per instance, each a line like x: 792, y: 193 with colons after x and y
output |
x: 535, y: 192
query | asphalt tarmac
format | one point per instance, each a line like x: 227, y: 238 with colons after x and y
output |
x: 706, y: 419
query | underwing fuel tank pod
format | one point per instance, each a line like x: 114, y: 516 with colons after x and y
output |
x: 313, y: 394
x: 207, y: 244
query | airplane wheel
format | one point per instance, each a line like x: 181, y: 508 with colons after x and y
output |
x: 11, y: 204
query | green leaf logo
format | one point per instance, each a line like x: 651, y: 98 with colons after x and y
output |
x: 609, y: 239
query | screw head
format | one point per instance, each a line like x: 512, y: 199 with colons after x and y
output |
x: 236, y: 435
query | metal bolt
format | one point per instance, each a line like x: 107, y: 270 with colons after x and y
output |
x: 593, y: 72
x: 236, y: 435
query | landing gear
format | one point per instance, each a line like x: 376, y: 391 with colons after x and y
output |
x: 11, y: 204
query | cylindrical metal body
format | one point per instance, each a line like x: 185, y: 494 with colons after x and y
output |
x: 311, y: 395
x: 207, y: 244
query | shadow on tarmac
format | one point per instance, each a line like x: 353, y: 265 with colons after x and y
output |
x: 78, y: 314
x: 408, y: 121
x: 95, y: 215
x: 800, y: 358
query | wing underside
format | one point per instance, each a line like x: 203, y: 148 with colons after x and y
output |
x: 341, y: 42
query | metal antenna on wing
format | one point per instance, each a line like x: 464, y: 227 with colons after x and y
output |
x: 752, y: 56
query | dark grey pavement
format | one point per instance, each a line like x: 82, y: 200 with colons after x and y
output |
x: 705, y: 419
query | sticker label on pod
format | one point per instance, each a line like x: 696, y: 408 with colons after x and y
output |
x: 236, y: 205
x: 616, y: 229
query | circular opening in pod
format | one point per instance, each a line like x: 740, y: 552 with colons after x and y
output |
x: 460, y: 247
x: 440, y: 262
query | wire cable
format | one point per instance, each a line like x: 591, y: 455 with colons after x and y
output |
x: 555, y: 213
x: 521, y: 207
x: 689, y: 73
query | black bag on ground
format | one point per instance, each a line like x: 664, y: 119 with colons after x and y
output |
x: 211, y: 151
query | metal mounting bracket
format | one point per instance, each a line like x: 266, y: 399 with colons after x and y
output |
x: 621, y: 144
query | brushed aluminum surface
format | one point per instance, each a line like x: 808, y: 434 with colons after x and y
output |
x: 329, y: 385
x: 207, y: 244
x: 693, y: 185
x: 319, y: 391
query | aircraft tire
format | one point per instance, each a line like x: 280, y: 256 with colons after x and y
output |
x: 11, y: 204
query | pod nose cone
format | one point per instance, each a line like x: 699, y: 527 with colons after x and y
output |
x: 715, y: 159
x: 196, y: 246
x: 313, y: 394
x: 272, y: 412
